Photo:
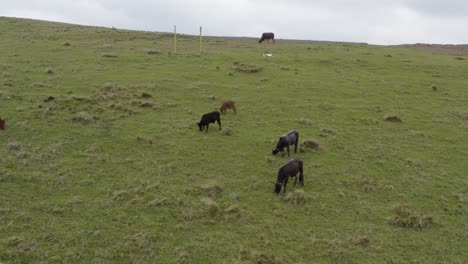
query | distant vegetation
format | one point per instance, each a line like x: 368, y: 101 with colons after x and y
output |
x: 101, y: 160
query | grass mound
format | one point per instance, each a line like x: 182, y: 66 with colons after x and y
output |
x: 392, y: 118
x: 296, y: 197
x: 405, y: 216
x: 212, y: 189
x: 227, y: 131
x: 309, y: 145
x: 246, y: 68
x: 211, y: 206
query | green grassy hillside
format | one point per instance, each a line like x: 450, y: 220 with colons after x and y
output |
x: 114, y: 170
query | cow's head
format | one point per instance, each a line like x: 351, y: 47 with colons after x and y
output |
x: 277, y: 188
x: 275, y: 151
x: 199, y: 126
x: 2, y: 123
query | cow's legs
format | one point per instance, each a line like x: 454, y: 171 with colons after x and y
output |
x: 288, y: 151
x: 219, y: 123
x: 207, y: 127
x: 285, y: 183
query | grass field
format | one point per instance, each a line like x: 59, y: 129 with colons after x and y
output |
x: 114, y: 170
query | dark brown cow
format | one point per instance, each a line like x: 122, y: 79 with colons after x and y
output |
x: 228, y: 105
x: 290, y: 169
x: 267, y: 36
x: 2, y: 123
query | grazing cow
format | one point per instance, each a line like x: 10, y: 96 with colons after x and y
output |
x: 290, y: 138
x: 209, y: 118
x: 2, y: 123
x: 267, y: 36
x: 228, y: 105
x: 290, y: 169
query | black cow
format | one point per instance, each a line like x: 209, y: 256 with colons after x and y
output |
x: 290, y: 138
x: 209, y: 118
x: 290, y: 169
x: 267, y: 36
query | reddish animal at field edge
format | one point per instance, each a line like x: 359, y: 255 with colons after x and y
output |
x: 228, y: 105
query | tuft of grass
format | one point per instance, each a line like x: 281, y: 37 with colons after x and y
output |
x: 13, y: 146
x: 227, y: 131
x: 361, y: 240
x: 296, y: 197
x: 434, y: 87
x: 145, y: 140
x: 145, y: 95
x: 405, y: 216
x: 309, y: 145
x: 108, y: 55
x: 246, y: 67
x: 158, y: 202
x: 392, y: 118
x: 49, y: 70
x: 152, y: 52
x: 82, y: 117
x: 212, y: 189
x: 120, y: 196
x: 232, y: 209
x: 306, y: 121
x: 211, y: 206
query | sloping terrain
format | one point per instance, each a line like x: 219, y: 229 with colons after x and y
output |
x: 101, y: 160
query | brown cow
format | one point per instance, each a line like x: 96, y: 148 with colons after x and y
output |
x: 267, y: 36
x: 228, y: 105
x: 2, y: 123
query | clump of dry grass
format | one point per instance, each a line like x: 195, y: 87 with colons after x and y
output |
x: 49, y: 70
x: 67, y: 44
x: 392, y: 118
x: 82, y: 117
x: 327, y: 131
x: 120, y: 195
x: 227, y: 131
x: 434, y: 87
x: 361, y: 240
x: 213, y: 207
x: 246, y: 68
x: 158, y: 202
x: 212, y: 189
x: 145, y: 95
x: 149, y: 105
x: 13, y: 146
x: 305, y: 121
x: 264, y: 258
x: 309, y: 145
x: 405, y: 216
x: 145, y: 140
x: 296, y: 197
x: 368, y: 183
x: 152, y: 52
x: 107, y: 55
x: 232, y: 209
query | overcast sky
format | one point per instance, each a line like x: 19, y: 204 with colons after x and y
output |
x: 371, y: 21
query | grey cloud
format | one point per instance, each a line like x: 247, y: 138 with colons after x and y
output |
x: 378, y: 22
